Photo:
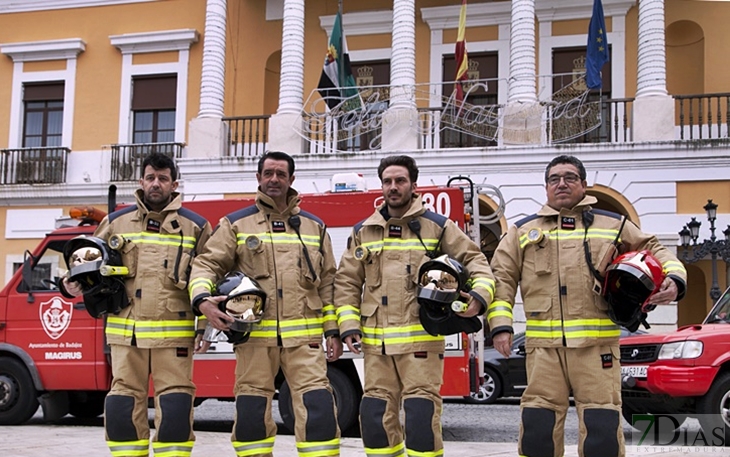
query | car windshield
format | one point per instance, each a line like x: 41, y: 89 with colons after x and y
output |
x: 720, y: 313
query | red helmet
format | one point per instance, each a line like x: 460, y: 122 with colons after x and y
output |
x: 630, y: 282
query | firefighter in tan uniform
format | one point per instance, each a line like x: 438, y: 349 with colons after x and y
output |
x: 289, y: 253
x: 375, y: 296
x: 155, y: 335
x: 572, y: 344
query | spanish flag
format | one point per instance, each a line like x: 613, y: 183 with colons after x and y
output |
x: 462, y: 60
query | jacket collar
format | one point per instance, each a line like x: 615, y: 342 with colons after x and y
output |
x: 583, y: 205
x: 379, y: 216
x: 142, y: 209
x: 266, y: 204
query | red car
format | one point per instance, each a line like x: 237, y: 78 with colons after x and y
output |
x: 685, y: 373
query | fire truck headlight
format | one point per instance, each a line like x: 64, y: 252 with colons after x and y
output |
x: 681, y: 350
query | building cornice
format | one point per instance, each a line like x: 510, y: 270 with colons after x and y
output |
x: 477, y: 15
x: 19, y: 6
x: 567, y: 10
x: 167, y: 40
x: 34, y: 51
x: 365, y: 23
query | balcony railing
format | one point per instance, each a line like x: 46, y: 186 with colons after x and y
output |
x: 248, y: 136
x: 43, y: 165
x: 126, y: 161
x: 704, y: 116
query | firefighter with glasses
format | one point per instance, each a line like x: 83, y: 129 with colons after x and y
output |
x: 153, y: 333
x: 378, y: 287
x: 559, y: 258
x: 288, y: 253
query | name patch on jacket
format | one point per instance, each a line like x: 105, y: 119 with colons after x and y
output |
x: 606, y: 360
x: 153, y: 226
x: 567, y: 223
x: 395, y: 231
x: 278, y: 226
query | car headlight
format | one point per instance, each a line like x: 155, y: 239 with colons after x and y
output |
x: 681, y: 350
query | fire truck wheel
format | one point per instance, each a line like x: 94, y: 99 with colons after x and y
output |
x: 489, y: 391
x: 714, y: 408
x: 346, y: 400
x: 88, y: 405
x: 18, y: 397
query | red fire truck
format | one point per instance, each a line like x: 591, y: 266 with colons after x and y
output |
x: 53, y: 352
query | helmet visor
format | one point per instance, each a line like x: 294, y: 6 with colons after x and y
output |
x: 245, y: 307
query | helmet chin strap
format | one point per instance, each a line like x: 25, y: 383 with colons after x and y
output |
x: 588, y: 219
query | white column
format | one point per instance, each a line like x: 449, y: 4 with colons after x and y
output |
x: 653, y: 111
x: 651, y: 78
x: 400, y: 123
x: 208, y: 136
x: 285, y: 126
x: 523, y: 116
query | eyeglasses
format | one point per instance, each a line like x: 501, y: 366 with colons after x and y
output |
x: 570, y: 178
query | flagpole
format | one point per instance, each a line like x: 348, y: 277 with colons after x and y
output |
x: 341, y: 57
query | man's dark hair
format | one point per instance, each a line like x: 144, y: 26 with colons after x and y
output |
x: 160, y: 161
x: 403, y: 161
x: 570, y: 160
x: 277, y: 155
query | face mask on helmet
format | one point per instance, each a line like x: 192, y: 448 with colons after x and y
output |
x: 630, y: 282
x: 439, y: 285
x: 244, y: 303
x: 94, y: 266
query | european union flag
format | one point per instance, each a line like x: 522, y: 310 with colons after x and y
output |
x: 597, y: 49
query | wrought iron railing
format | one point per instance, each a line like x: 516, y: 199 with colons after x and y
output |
x: 437, y: 134
x: 248, y: 136
x: 126, y: 160
x: 703, y: 116
x: 42, y: 165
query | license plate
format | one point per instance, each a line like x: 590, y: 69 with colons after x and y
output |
x: 637, y: 371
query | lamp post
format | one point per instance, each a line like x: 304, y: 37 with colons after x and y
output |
x: 716, y: 248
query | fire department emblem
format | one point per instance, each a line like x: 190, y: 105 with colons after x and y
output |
x: 55, y: 316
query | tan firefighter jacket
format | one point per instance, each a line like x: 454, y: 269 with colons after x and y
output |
x: 544, y: 254
x: 376, y: 296
x: 261, y: 242
x: 158, y: 250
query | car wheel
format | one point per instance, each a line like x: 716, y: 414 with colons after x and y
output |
x: 87, y: 405
x: 714, y: 407
x: 489, y: 391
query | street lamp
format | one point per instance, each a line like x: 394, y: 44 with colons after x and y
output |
x: 713, y: 246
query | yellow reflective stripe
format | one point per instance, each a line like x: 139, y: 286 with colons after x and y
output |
x: 280, y: 238
x: 161, y: 239
x: 576, y: 328
x: 400, y: 244
x: 259, y: 447
x: 593, y: 233
x: 119, y: 326
x: 206, y: 283
x: 395, y: 451
x: 165, y: 329
x: 484, y: 283
x: 398, y: 335
x: 329, y: 312
x: 138, y: 448
x: 413, y: 453
x: 317, y: 448
x: 264, y: 329
x: 181, y: 449
x: 499, y: 309
x: 673, y: 266
x: 348, y: 313
x: 301, y: 327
